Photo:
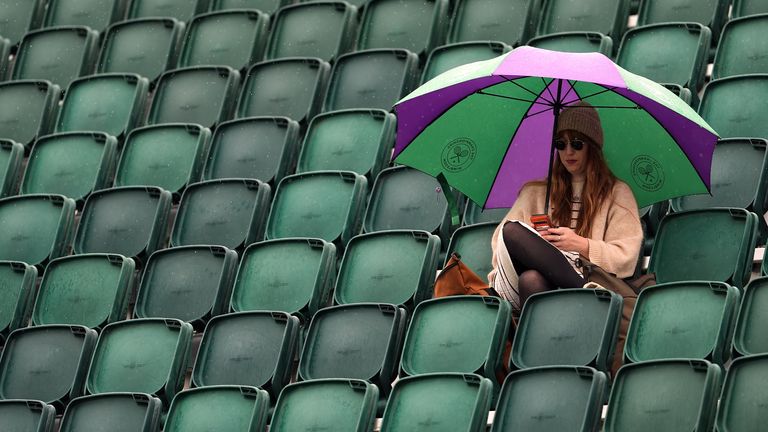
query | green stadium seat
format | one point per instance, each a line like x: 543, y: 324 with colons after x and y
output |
x: 584, y: 333
x: 511, y: 22
x: 233, y: 38
x: 683, y: 93
x: 475, y: 214
x: 473, y: 244
x: 707, y: 245
x: 733, y: 106
x: 674, y: 53
x: 464, y: 334
x: 683, y: 320
x: 36, y: 228
x: 608, y: 17
x: 326, y: 404
x: 316, y: 29
x: 110, y: 103
x: 248, y: 348
x: 219, y: 408
x: 46, y: 363
x: 742, y: 8
x: 116, y: 412
x: 742, y: 49
x: 358, y: 140
x: 72, y: 164
x: 664, y: 396
x: 414, y: 25
x: 11, y: 157
x: 266, y: 6
x: 357, y: 3
x: 227, y: 212
x: 551, y: 398
x: 130, y: 221
x: 263, y: 148
x: 438, y: 402
x: 292, y: 87
x: 17, y: 289
x: 147, y: 47
x: 447, y: 57
x: 749, y: 337
x: 169, y: 156
x: 20, y: 17
x: 142, y: 356
x: 90, y: 290
x: 96, y: 14
x: 371, y: 79
x: 190, y: 283
x: 710, y: 13
x: 57, y: 54
x: 396, y: 267
x: 263, y: 284
x: 5, y: 55
x: 320, y: 204
x: 182, y: 10
x: 742, y: 403
x: 28, y: 110
x: 20, y: 415
x: 579, y: 42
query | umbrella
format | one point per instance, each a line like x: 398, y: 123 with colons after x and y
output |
x: 487, y: 128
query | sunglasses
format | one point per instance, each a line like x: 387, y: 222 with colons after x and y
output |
x: 576, y: 144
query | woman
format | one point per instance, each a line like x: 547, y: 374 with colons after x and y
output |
x: 594, y: 215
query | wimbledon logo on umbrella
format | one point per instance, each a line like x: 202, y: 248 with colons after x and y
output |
x: 647, y: 173
x: 458, y: 154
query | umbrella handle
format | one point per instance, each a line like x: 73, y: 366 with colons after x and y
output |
x: 453, y: 206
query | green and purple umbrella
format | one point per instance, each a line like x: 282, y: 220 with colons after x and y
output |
x: 487, y: 127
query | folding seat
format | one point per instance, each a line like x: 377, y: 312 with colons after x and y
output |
x: 741, y: 404
x: 28, y: 110
x: 742, y: 48
x: 326, y: 404
x: 182, y: 10
x: 169, y: 156
x: 358, y: 140
x: 118, y: 412
x: 219, y: 408
x: 189, y: 283
x: 90, y: 290
x: 447, y: 57
x: 17, y: 289
x: 551, y: 398
x: 266, y: 6
x: 608, y: 17
x: 575, y: 41
x: 742, y: 8
x: 141, y: 356
x: 733, y: 106
x: 262, y: 282
x: 674, y: 53
x: 147, y: 47
x: 438, y: 402
x: 227, y: 212
x: 233, y: 38
x: 46, y: 363
x: 371, y: 79
x: 11, y: 157
x: 248, y: 348
x: 475, y: 214
x: 664, y: 396
x: 710, y: 13
x: 36, y: 228
x: 96, y: 14
x: 749, y: 337
x: 5, y: 52
x: 511, y: 22
x: 19, y: 17
x: 20, y: 415
x: 473, y: 244
x: 57, y: 54
x: 414, y: 25
x: 316, y: 29
x: 130, y: 221
x: 320, y: 204
x: 292, y: 87
x: 263, y: 148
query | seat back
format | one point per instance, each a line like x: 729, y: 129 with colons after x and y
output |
x: 28, y: 110
x: 225, y: 408
x: 414, y: 25
x: 96, y: 14
x: 604, y: 16
x: 182, y: 10
x: 58, y: 54
x: 733, y: 106
x: 710, y: 13
x: 118, y: 412
x: 18, y: 18
x: 11, y: 157
x: 740, y: 402
x: 748, y: 337
x: 475, y: 214
x: 233, y: 38
x: 741, y: 50
x: 446, y: 57
x: 266, y: 6
x: 26, y: 416
x: 17, y: 283
x: 473, y: 244
x: 574, y: 41
x: 508, y: 21
x: 743, y: 8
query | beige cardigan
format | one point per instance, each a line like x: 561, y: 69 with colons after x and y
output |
x: 616, y: 236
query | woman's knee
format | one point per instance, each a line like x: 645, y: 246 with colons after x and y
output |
x: 532, y: 282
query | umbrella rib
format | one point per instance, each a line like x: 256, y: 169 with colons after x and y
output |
x: 568, y: 93
x: 546, y: 86
x: 537, y: 96
x: 510, y: 97
x: 527, y: 116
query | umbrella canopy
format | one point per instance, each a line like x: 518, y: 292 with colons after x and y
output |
x: 487, y: 127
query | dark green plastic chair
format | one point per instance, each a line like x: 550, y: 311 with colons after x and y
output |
x: 475, y: 214
x: 742, y: 404
x: 130, y: 221
x: 262, y: 282
x: 20, y: 17
x: 96, y: 14
x: 147, y: 47
x: 141, y: 356
x: 263, y: 148
x: 743, y: 8
x: 742, y: 48
x: 414, y: 25
x: 266, y: 6
x: 375, y: 78
x: 228, y: 212
x: 89, y: 290
x: 508, y: 21
x: 109, y: 103
x: 182, y: 10
x: 326, y: 404
x: 551, y: 399
x: 28, y: 110
x: 446, y: 57
x: 575, y: 41
x: 36, y: 228
x: 5, y: 52
x: 749, y: 337
x: 17, y: 289
x: 358, y: 140
x: 219, y: 408
x: 674, y: 53
x: 19, y: 415
x: 190, y: 283
x: 203, y: 95
x: 664, y: 396
x: 117, y: 412
x: 46, y: 363
x: 57, y: 54
x: 316, y: 29
x: 72, y: 164
x: 320, y: 204
x: 710, y: 13
x: 292, y: 87
x: 733, y: 106
x: 438, y: 402
x: 233, y: 38
x: 248, y: 348
x: 11, y: 156
x: 473, y: 244
x: 608, y: 17
x: 169, y: 156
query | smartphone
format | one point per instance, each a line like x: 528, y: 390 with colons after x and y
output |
x: 541, y: 222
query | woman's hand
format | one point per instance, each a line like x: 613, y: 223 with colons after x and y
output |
x: 566, y: 239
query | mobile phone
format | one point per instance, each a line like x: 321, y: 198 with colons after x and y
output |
x: 541, y: 222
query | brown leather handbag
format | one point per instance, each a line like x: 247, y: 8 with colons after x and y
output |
x: 458, y: 279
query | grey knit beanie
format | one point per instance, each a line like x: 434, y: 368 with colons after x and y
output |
x: 582, y: 117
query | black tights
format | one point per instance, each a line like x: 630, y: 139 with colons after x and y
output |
x: 540, y: 268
